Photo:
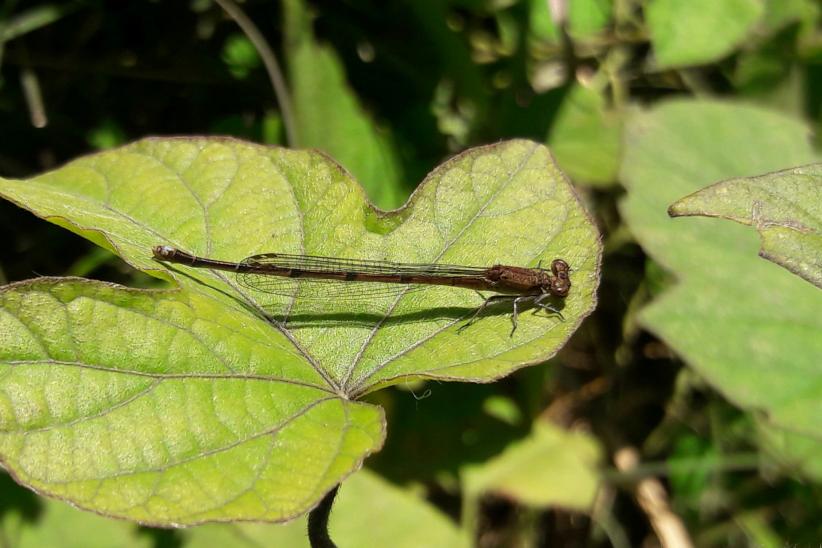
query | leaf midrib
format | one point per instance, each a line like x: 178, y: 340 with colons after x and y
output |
x: 359, y: 386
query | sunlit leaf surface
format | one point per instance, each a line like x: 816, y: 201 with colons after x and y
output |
x: 785, y: 207
x: 214, y: 402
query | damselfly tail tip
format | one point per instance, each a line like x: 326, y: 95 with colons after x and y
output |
x: 163, y: 252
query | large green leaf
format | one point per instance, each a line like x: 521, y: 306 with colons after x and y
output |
x: 166, y: 406
x: 747, y: 326
x: 785, y: 207
x: 205, y: 403
x: 693, y: 32
x: 404, y: 519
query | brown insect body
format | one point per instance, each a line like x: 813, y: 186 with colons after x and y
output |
x: 503, y: 279
x: 516, y: 284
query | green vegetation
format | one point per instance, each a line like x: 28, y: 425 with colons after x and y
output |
x: 682, y: 380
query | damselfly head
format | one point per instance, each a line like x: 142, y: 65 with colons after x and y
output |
x: 560, y: 283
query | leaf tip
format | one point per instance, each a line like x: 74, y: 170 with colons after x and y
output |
x: 675, y: 209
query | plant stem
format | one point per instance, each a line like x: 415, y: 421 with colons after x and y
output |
x: 318, y: 522
x: 271, y: 66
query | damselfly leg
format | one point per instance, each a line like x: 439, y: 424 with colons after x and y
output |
x: 516, y: 300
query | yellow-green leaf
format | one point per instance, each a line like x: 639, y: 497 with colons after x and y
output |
x: 214, y: 402
x: 694, y: 32
x: 551, y: 467
x: 785, y: 207
x: 750, y: 328
x: 166, y: 407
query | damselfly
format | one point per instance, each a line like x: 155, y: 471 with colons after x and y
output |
x: 344, y: 279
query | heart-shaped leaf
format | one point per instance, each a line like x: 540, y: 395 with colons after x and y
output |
x: 205, y: 404
x: 785, y: 207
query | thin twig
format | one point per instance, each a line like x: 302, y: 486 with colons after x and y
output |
x: 34, y: 98
x: 271, y: 66
x: 318, y: 522
x: 651, y: 496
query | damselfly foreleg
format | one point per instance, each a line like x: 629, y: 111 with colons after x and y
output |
x: 516, y: 300
x: 539, y: 305
x: 488, y: 301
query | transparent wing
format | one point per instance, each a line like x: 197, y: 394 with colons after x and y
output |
x: 309, y: 288
x: 321, y: 290
x: 335, y: 264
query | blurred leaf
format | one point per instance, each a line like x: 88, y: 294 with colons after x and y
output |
x: 769, y: 68
x: 585, y: 137
x: 368, y: 511
x: 508, y: 31
x: 785, y: 207
x: 503, y: 409
x: 771, y: 76
x: 453, y: 63
x: 694, y: 32
x: 189, y: 406
x: 779, y: 13
x: 90, y: 262
x: 455, y: 119
x: 440, y: 447
x: 329, y: 117
x: 758, y: 531
x: 404, y: 519
x: 793, y: 450
x: 551, y: 467
x: 267, y: 128
x: 34, y: 18
x: 690, y: 483
x: 240, y: 55
x: 241, y: 126
x: 749, y: 328
x: 541, y: 24
x: 108, y: 134
x: 588, y: 17
x: 271, y: 128
x: 60, y: 525
x: 584, y: 18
